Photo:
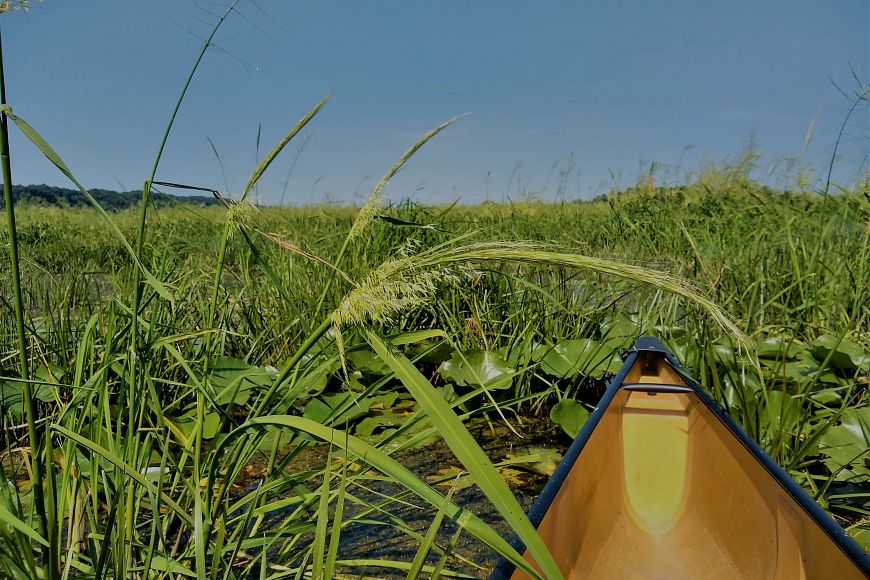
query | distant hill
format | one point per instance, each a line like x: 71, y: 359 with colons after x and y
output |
x: 110, y: 200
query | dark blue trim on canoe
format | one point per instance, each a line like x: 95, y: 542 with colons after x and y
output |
x: 504, y: 569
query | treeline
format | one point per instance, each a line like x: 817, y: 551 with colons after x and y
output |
x: 110, y: 200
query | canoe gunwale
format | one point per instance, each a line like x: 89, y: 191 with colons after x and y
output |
x: 504, y: 569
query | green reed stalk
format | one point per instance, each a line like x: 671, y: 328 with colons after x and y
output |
x: 137, y: 380
x: 146, y: 189
x: 26, y: 388
x: 235, y: 214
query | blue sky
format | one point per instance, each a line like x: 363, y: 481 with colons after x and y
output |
x: 602, y: 87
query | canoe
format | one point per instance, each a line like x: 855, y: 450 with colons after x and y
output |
x: 662, y: 483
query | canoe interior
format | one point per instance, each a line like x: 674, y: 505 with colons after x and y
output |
x: 662, y: 489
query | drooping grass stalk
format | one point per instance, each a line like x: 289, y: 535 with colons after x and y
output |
x: 368, y: 211
x: 36, y: 459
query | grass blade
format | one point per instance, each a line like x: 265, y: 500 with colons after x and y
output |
x: 263, y: 165
x: 391, y: 468
x: 466, y: 450
x: 52, y: 155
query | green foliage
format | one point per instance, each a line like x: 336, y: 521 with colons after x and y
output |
x: 525, y: 321
x: 478, y: 368
x: 236, y: 413
x: 570, y: 416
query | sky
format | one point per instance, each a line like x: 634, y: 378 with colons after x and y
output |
x: 564, y: 99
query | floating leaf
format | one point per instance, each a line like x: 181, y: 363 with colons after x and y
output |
x: 570, y: 416
x: 619, y: 330
x: 384, y: 402
x: 863, y: 539
x: 322, y: 409
x: 516, y: 477
x: 477, y: 367
x: 11, y: 399
x: 724, y: 353
x: 183, y: 425
x: 570, y: 358
x: 368, y: 362
x: 317, y: 410
x: 234, y: 379
x: 211, y: 425
x: 49, y: 374
x: 541, y: 460
x: 368, y: 426
x: 312, y: 379
x: 226, y: 371
x: 844, y: 354
x: 777, y: 347
x: 780, y: 414
x: 847, y: 445
x: 794, y: 370
x: 433, y: 351
x: 520, y: 353
x: 451, y: 477
x: 827, y: 396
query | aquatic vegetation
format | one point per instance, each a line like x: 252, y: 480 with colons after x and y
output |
x: 224, y: 392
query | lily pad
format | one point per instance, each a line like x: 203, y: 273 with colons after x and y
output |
x: 377, y: 421
x: 570, y: 416
x: 11, y: 399
x: 477, y: 367
x: 740, y: 393
x: 777, y: 347
x: 184, y: 425
x: 780, y: 414
x: 619, y: 330
x: 321, y: 409
x: 521, y: 353
x: 847, y: 445
x: 47, y: 376
x: 794, y: 370
x: 723, y: 353
x: 845, y: 355
x: 827, y: 396
x: 541, y: 460
x: 365, y: 360
x: 863, y: 539
x: 451, y: 478
x: 433, y: 352
x: 314, y: 377
x: 233, y: 380
x: 228, y: 370
x: 570, y: 358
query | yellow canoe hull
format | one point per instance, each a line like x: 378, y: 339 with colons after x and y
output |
x: 663, y: 485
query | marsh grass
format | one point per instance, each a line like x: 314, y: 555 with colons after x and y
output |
x: 152, y: 375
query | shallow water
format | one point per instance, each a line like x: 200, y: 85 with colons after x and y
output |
x: 497, y: 440
x: 380, y: 539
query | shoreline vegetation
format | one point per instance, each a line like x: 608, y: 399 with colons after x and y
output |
x: 155, y: 360
x: 491, y: 338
